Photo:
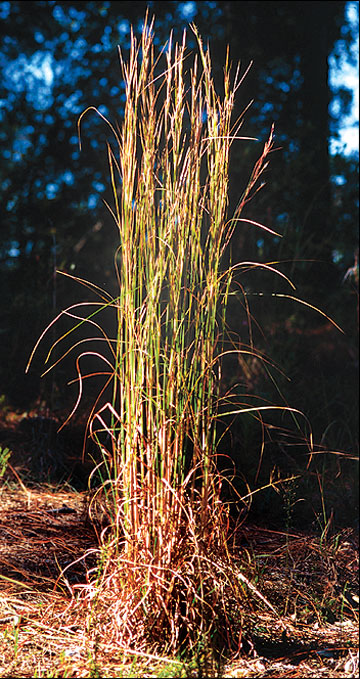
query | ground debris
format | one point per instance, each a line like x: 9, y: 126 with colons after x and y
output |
x: 311, y: 631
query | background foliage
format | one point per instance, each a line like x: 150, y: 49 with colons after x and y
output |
x: 56, y: 59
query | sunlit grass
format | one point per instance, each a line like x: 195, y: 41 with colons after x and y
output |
x: 165, y: 576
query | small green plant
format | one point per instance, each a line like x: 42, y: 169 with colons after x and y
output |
x: 94, y: 671
x: 12, y: 636
x: 5, y: 454
x: 322, y: 518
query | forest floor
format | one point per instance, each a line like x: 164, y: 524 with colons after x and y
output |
x: 303, y: 624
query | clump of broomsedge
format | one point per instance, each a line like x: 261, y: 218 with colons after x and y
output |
x: 166, y: 577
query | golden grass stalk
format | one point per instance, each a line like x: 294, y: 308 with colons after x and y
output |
x: 166, y: 574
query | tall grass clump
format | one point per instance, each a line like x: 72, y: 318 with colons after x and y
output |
x: 165, y: 576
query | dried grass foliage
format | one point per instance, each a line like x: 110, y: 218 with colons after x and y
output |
x: 165, y: 577
x: 165, y: 573
x: 46, y: 632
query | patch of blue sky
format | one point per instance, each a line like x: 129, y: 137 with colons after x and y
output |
x: 103, y: 110
x: 268, y: 107
x: 105, y: 43
x: 103, y: 9
x: 59, y: 14
x: 188, y: 10
x: 39, y: 38
x: 72, y: 104
x: 33, y: 76
x: 68, y: 177
x: 49, y: 119
x: 21, y: 146
x: 123, y: 27
x: 98, y: 186
x: 41, y: 67
x: 11, y: 203
x: 77, y: 16
x: 4, y: 10
x: 14, y: 250
x: 92, y: 201
x: 344, y: 72
x: 51, y: 190
x: 283, y: 86
x: 71, y: 18
x: 77, y: 48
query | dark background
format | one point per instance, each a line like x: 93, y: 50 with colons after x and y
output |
x: 53, y: 216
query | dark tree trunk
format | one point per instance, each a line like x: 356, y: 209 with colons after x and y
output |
x: 314, y: 140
